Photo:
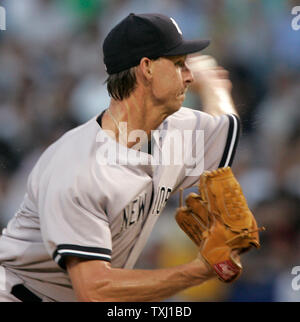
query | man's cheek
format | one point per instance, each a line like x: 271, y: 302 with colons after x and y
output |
x: 161, y: 89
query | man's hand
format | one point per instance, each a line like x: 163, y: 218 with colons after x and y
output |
x: 212, y: 84
x: 219, y: 221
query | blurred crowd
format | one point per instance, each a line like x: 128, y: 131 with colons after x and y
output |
x: 52, y: 79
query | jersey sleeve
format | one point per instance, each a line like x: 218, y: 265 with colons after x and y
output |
x: 74, y: 225
x: 220, y: 136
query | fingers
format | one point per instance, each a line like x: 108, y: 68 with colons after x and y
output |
x: 221, y: 73
x: 202, y: 62
x: 193, y: 203
x: 211, y: 79
x: 207, y: 65
x: 207, y: 74
x: 212, y: 73
x: 190, y: 225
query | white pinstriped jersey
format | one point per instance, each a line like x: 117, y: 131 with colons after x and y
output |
x: 75, y: 206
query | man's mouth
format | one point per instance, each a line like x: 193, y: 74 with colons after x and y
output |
x: 183, y: 92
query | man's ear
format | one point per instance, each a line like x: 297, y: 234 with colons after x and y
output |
x: 146, y: 66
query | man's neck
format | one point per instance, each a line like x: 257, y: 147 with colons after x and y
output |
x: 132, y: 114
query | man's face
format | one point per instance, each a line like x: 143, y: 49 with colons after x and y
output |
x: 171, y: 78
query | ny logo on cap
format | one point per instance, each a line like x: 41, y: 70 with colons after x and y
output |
x: 177, y: 27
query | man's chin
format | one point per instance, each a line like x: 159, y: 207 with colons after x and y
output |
x: 177, y: 106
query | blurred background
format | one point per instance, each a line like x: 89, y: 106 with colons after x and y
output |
x: 52, y: 79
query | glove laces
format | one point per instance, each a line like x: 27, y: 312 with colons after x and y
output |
x: 246, y: 234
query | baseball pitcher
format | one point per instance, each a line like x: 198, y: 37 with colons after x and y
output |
x: 94, y: 195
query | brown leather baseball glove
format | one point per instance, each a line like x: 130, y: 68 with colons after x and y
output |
x: 219, y: 221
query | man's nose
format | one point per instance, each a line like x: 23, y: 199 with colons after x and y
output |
x: 187, y: 75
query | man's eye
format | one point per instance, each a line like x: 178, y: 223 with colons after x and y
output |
x: 180, y: 64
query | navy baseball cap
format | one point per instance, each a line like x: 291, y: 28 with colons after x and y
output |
x: 145, y: 35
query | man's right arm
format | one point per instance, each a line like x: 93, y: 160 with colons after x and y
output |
x: 212, y: 84
x: 97, y: 281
